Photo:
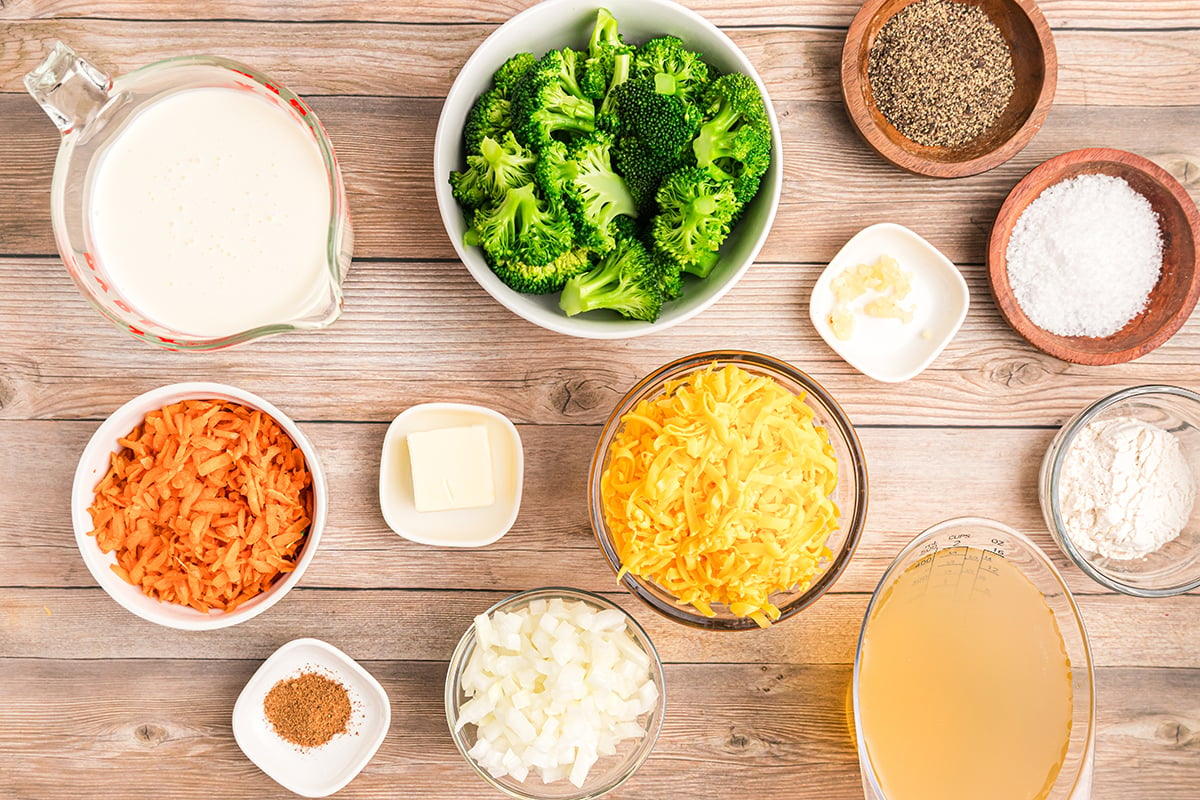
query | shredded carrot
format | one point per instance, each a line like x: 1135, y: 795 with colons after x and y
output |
x: 720, y: 491
x: 207, y: 504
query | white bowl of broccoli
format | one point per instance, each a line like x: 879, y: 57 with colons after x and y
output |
x: 614, y: 181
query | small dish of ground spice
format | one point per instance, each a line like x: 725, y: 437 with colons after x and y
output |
x: 311, y: 718
x: 948, y: 87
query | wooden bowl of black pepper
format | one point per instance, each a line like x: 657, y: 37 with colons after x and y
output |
x: 948, y: 88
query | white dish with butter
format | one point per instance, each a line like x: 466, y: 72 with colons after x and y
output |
x: 889, y: 350
x: 456, y: 472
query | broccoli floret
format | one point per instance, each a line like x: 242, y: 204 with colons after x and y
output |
x: 546, y: 278
x: 506, y: 77
x: 643, y: 170
x: 469, y: 187
x: 675, y: 69
x: 547, y: 100
x: 734, y: 143
x: 596, y: 194
x: 554, y: 170
x: 696, y: 211
x: 499, y: 166
x: 663, y: 123
x: 603, y: 47
x: 607, y: 118
x: 522, y: 226
x: 607, y: 66
x: 656, y: 134
x: 489, y: 117
x: 670, y: 274
x: 627, y: 280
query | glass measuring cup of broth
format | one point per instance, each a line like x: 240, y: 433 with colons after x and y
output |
x: 973, y: 675
x: 196, y: 202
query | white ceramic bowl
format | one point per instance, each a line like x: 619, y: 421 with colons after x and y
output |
x: 94, y: 464
x: 466, y: 527
x: 315, y: 771
x: 889, y: 350
x: 558, y: 23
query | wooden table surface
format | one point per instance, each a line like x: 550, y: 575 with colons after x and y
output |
x: 95, y: 702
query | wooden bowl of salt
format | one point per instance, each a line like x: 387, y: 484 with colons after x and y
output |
x: 1034, y: 66
x: 1172, y: 297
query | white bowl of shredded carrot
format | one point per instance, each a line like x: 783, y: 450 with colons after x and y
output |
x: 198, y: 505
x: 728, y: 490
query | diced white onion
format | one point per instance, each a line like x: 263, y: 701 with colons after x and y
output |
x: 552, y: 688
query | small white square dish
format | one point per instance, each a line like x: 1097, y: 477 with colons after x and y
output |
x: 460, y: 527
x: 888, y: 349
x: 313, y: 771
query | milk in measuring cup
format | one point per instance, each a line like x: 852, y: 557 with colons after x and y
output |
x: 210, y: 212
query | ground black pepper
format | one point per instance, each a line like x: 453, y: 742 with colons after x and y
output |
x: 941, y: 72
x: 308, y: 710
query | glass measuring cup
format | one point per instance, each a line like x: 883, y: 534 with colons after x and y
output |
x: 968, y: 555
x: 91, y: 110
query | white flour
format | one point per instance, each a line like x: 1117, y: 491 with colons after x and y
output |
x: 1126, y: 488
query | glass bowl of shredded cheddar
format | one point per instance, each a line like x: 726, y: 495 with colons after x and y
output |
x: 728, y: 490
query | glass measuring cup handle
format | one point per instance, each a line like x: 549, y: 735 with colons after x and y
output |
x: 69, y: 89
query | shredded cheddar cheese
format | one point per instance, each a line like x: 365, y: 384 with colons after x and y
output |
x: 720, y: 491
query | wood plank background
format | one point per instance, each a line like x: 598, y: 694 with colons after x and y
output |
x: 97, y: 703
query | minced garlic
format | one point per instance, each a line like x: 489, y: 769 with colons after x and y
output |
x: 877, y: 290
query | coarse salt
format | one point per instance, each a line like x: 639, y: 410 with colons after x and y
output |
x: 1084, y: 256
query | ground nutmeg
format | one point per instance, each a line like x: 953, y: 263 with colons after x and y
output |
x: 308, y: 710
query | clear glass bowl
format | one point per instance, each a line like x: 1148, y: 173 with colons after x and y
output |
x: 850, y: 495
x: 606, y: 774
x: 945, y: 550
x: 1175, y: 568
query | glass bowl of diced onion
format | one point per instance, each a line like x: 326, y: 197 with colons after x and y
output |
x: 555, y: 694
x: 794, y: 554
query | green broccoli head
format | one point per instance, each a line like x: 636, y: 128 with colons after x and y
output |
x: 470, y: 188
x: 670, y: 275
x: 675, y: 69
x: 608, y: 60
x: 663, y: 123
x: 627, y: 280
x: 548, y: 102
x: 734, y: 143
x: 489, y: 117
x: 596, y: 195
x: 545, y: 278
x: 696, y: 211
x: 499, y: 165
x: 522, y: 226
x: 554, y: 170
x: 643, y: 170
x: 510, y: 71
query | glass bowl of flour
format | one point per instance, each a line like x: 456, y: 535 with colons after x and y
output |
x: 1118, y: 489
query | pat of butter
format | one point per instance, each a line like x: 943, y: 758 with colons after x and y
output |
x: 451, y: 468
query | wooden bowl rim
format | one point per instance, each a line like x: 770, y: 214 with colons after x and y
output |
x: 861, y: 118
x: 1053, y: 170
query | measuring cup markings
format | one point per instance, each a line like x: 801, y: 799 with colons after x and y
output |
x: 95, y: 112
x: 954, y: 568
